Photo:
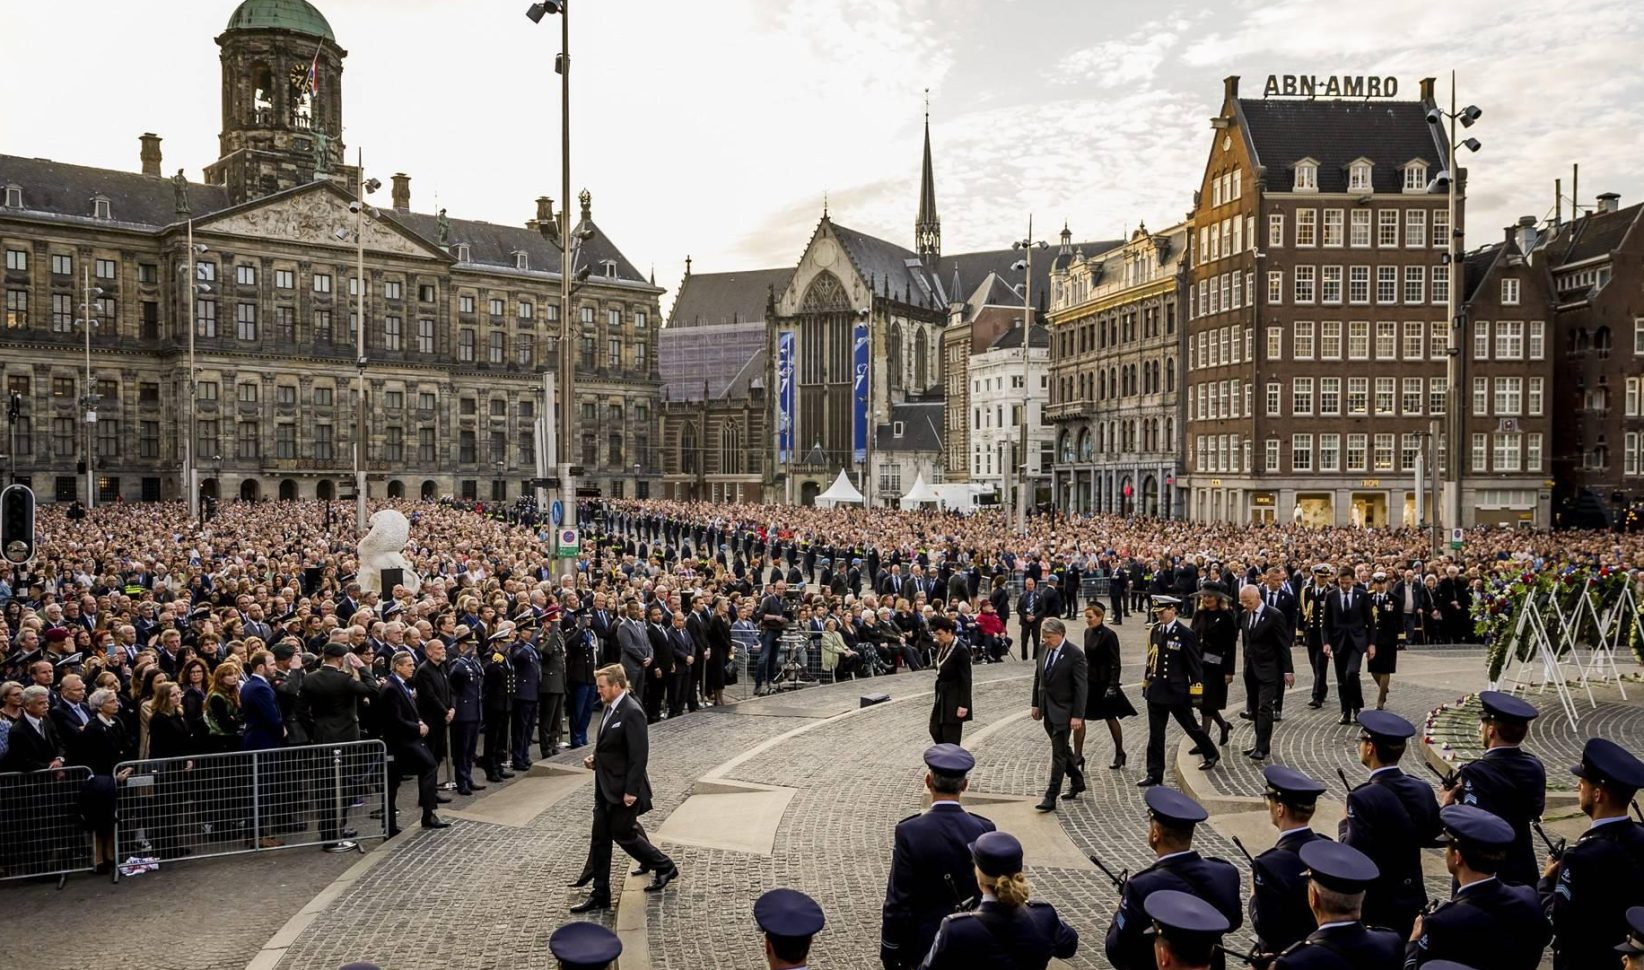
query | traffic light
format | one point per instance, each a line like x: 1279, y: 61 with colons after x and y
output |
x: 17, y: 524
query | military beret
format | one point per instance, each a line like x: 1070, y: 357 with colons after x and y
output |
x: 788, y: 912
x: 284, y: 650
x: 336, y: 648
x: 1505, y: 707
x: 56, y: 634
x: 1170, y: 805
x: 949, y: 759
x: 1603, y: 761
x: 1337, y: 866
x: 584, y: 946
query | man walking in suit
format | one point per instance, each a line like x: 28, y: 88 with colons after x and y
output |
x: 622, y: 793
x: 1050, y: 598
x: 1275, y: 596
x: 1173, y: 668
x: 1060, y: 687
x: 1347, y: 622
x: 1266, y: 663
x: 952, y: 706
x: 1031, y: 610
x: 403, y: 731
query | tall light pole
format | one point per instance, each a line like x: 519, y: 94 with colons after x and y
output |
x: 189, y: 286
x: 88, y: 400
x: 1026, y: 265
x: 565, y: 379
x: 364, y: 187
x: 1455, y: 418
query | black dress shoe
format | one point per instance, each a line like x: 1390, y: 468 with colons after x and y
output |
x: 1045, y: 806
x: 1278, y: 716
x: 1247, y: 715
x: 592, y: 903
x: 443, y: 799
x: 1345, y: 719
x: 348, y: 834
x: 1072, y: 794
x: 1196, y: 750
x: 465, y: 792
x: 1315, y: 705
x: 639, y: 870
x: 476, y: 786
x: 1148, y: 782
x: 506, y: 775
x: 1257, y: 755
x: 1210, y: 763
x: 660, y: 880
x: 432, y: 821
x: 394, y: 831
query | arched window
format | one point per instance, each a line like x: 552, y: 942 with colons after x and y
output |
x: 1087, y: 450
x: 1064, y: 446
x: 1170, y: 374
x: 921, y: 362
x: 688, y: 450
x: 262, y: 94
x: 730, y: 449
x: 893, y: 355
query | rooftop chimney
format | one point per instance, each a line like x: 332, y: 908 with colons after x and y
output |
x: 1230, y: 87
x: 150, y: 153
x: 1525, y: 234
x: 1609, y: 201
x: 1427, y: 90
x: 402, y: 191
x: 545, y: 210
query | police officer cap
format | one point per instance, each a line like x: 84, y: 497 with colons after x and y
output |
x: 392, y: 609
x: 347, y: 578
x: 1337, y: 866
x: 584, y: 945
x: 1291, y: 786
x: 1159, y: 602
x: 949, y: 759
x: 997, y: 854
x: 1180, y: 915
x: 526, y: 622
x: 1170, y: 805
x: 1635, y: 933
x: 788, y: 912
x: 1602, y: 760
x: 1378, y: 575
x: 1385, y: 724
x: 286, y: 618
x: 1322, y: 569
x: 1471, y: 824
x: 1505, y: 707
x: 200, y: 613
x: 336, y: 648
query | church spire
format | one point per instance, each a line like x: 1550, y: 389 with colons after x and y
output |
x: 927, y: 228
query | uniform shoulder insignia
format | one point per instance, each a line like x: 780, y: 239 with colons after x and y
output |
x: 496, y: 658
x: 959, y: 916
x: 912, y: 817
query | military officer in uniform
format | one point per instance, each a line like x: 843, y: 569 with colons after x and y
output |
x: 952, y: 705
x: 931, y: 873
x: 1173, y: 672
x: 467, y: 679
x: 498, y: 696
x: 1490, y: 922
x: 1171, y: 818
x: 1007, y: 928
x: 1313, y: 597
x: 584, y: 946
x: 527, y: 664
x: 789, y: 919
x: 1186, y: 930
x: 1507, y: 781
x: 1390, y: 818
x: 1586, y: 893
x: 1632, y: 951
x: 1279, y: 913
x: 1338, y: 877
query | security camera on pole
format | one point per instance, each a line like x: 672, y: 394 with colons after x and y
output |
x: 1026, y: 266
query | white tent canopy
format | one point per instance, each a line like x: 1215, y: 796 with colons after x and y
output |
x: 919, y: 494
x: 841, y: 492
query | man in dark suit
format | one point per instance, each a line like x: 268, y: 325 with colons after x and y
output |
x: 682, y: 651
x: 931, y: 871
x: 432, y: 685
x: 1348, y: 620
x: 1030, y: 606
x: 264, y: 727
x: 69, y: 714
x: 1275, y: 595
x: 402, y: 731
x: 952, y: 705
x: 622, y: 793
x: 1051, y: 603
x: 1173, y: 667
x: 332, y: 698
x: 33, y: 742
x: 659, y: 675
x: 1267, y: 664
x: 1118, y: 592
x: 1411, y: 601
x: 1060, y: 688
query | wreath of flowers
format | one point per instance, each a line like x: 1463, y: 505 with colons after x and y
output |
x: 1497, y: 611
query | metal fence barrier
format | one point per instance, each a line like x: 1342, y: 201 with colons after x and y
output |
x: 251, y: 801
x: 41, y: 833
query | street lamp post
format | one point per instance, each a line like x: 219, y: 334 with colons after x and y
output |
x: 88, y: 400
x: 364, y: 187
x: 1026, y: 265
x: 1455, y: 419
x: 189, y: 286
x: 566, y: 376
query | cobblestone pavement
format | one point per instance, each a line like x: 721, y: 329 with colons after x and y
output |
x: 481, y: 895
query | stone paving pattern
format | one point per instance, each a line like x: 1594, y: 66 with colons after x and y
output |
x: 480, y: 895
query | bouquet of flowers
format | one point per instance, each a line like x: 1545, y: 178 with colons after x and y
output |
x: 1496, y: 614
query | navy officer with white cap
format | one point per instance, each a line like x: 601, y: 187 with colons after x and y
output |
x: 1587, y: 892
x: 1507, y: 781
x: 584, y: 946
x: 1489, y: 922
x: 1187, y: 931
x: 789, y: 919
x: 1390, y: 818
x: 1338, y: 876
x: 1008, y: 929
x: 1173, y: 683
x: 1171, y: 819
x: 931, y: 873
x: 1279, y: 913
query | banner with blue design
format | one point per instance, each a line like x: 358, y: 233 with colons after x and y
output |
x: 859, y: 392
x: 784, y: 396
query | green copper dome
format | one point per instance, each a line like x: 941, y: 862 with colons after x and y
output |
x: 294, y: 15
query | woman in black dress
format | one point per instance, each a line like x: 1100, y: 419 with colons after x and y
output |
x: 1389, y: 626
x: 1218, y: 635
x: 1104, y: 699
x: 720, y: 651
x: 169, y: 737
x: 102, y: 745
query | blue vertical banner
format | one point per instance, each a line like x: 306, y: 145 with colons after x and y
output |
x: 859, y: 394
x: 784, y: 396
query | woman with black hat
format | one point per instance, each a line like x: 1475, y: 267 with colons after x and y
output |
x: 1104, y: 699
x: 1218, y: 635
x: 1006, y: 929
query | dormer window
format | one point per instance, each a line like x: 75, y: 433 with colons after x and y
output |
x: 610, y: 267
x: 1415, y: 177
x: 896, y: 429
x: 1358, y: 176
x: 522, y: 259
x: 100, y: 207
x: 1307, y: 175
x: 14, y: 196
x: 460, y: 250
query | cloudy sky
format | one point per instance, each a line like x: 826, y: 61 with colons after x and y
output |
x: 716, y: 128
